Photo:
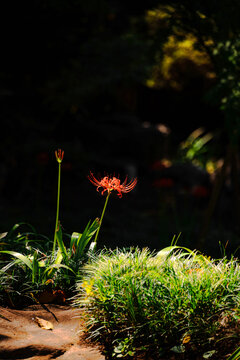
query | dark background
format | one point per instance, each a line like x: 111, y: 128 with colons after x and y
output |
x: 73, y: 76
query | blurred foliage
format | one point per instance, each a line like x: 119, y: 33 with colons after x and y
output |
x: 195, y: 147
x: 70, y: 51
x: 67, y: 68
x: 179, y: 59
x: 204, y: 34
x: 227, y: 91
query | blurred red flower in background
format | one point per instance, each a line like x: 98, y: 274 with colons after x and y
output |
x: 164, y: 183
x: 200, y: 191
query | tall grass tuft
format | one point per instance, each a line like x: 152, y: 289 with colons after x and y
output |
x: 173, y: 301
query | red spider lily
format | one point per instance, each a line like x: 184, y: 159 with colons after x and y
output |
x: 109, y: 184
x: 59, y: 155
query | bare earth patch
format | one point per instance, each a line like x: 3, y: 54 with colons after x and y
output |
x: 21, y: 337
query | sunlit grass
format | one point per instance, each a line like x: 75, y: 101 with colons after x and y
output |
x: 176, y: 299
x: 27, y: 270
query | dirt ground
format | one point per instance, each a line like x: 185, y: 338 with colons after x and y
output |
x: 22, y: 337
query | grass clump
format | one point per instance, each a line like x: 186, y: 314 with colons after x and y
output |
x: 172, y: 301
x: 33, y: 268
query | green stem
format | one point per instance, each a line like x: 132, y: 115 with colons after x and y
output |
x: 57, y: 213
x: 103, y: 212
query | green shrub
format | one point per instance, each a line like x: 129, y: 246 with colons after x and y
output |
x: 27, y: 270
x: 175, y: 300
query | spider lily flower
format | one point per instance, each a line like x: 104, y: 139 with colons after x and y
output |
x: 110, y: 184
x: 59, y: 155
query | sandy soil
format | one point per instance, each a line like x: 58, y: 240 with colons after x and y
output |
x: 21, y: 337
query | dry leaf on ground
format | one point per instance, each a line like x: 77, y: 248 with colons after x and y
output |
x: 44, y: 324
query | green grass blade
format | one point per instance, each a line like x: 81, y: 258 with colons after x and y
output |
x: 18, y: 225
x: 58, y: 266
x: 3, y: 235
x: 166, y: 252
x: 19, y: 256
x: 235, y: 355
x: 85, y: 238
x: 59, y: 257
x: 61, y: 244
x: 169, y: 249
x: 34, y: 267
x: 56, y: 263
x: 82, y: 241
x: 74, y: 237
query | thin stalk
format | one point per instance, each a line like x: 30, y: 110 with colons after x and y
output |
x: 103, y: 212
x: 57, y: 213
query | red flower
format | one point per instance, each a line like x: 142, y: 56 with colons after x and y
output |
x: 164, y: 183
x: 59, y: 155
x: 109, y: 184
x: 158, y: 165
x: 43, y: 158
x: 200, y: 191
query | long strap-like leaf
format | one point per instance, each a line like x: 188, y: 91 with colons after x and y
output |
x: 235, y: 355
x: 19, y: 256
x: 61, y: 244
x: 85, y: 238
